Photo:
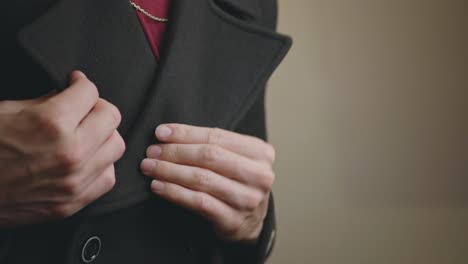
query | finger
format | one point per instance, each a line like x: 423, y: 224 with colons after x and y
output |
x: 227, y: 163
x: 8, y: 107
x: 231, y: 192
x: 102, y: 185
x: 111, y: 151
x: 246, y: 145
x: 201, y: 203
x: 77, y: 100
x: 59, y: 189
x: 98, y: 126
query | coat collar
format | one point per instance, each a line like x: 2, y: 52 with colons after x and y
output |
x: 245, y: 8
x: 213, y: 53
x: 215, y: 63
x: 209, y: 50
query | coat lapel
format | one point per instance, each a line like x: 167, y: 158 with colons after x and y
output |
x: 215, y: 63
x: 104, y: 39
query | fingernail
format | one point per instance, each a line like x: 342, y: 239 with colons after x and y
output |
x: 154, y: 151
x: 163, y: 131
x: 148, y: 165
x: 157, y: 186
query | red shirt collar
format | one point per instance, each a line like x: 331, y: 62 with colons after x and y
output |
x: 154, y: 30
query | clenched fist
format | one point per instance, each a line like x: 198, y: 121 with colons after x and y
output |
x: 56, y: 153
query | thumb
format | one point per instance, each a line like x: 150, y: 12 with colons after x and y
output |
x: 7, y: 107
x: 75, y: 76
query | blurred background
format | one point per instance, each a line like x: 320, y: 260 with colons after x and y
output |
x: 369, y: 117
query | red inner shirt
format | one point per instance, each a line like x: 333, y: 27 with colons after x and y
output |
x: 154, y: 30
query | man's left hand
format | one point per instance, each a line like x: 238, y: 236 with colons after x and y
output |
x: 224, y: 176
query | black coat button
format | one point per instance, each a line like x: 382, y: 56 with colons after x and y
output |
x: 91, y: 249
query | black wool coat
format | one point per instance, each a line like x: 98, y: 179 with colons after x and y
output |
x: 216, y: 60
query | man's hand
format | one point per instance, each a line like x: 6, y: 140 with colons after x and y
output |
x: 222, y: 175
x: 56, y: 153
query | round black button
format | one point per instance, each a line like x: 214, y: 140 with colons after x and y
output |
x: 91, y: 249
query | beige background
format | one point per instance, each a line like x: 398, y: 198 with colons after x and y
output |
x: 369, y: 117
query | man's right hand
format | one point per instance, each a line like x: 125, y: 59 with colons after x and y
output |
x: 56, y: 153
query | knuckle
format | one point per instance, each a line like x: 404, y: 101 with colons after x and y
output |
x: 253, y: 201
x: 92, y: 90
x: 47, y: 122
x: 115, y: 112
x: 267, y: 179
x: 172, y: 193
x: 203, y: 203
x: 120, y: 145
x: 109, y: 181
x: 112, y: 111
x: 270, y: 152
x: 211, y: 153
x: 71, y: 187
x: 172, y: 151
x: 202, y: 178
x: 62, y: 210
x: 69, y: 158
x: 215, y: 135
x: 180, y: 131
x: 233, y: 226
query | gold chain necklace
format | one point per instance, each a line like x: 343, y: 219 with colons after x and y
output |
x: 144, y: 12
